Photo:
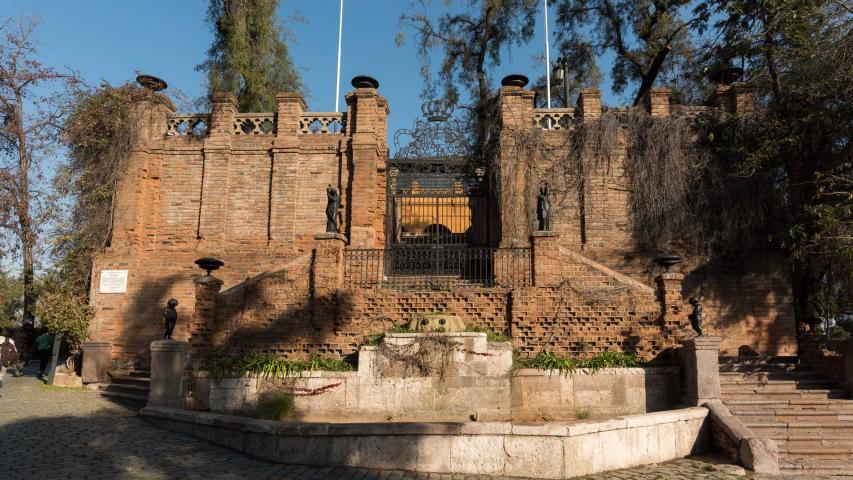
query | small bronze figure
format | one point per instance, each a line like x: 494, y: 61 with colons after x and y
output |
x: 333, y: 206
x: 171, y: 317
x: 543, y: 208
x: 696, y: 316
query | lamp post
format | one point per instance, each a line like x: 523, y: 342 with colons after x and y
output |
x: 561, y: 74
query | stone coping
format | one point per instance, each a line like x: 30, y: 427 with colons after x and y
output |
x: 520, y: 372
x: 443, y: 334
x: 555, y: 429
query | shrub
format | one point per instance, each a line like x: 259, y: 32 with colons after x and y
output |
x: 266, y: 365
x: 275, y: 406
x: 546, y: 360
x: 490, y: 335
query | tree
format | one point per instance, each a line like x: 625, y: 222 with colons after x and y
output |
x: 249, y: 56
x: 100, y: 135
x: 642, y: 35
x: 471, y: 42
x: 11, y: 291
x: 34, y: 100
x: 798, y: 54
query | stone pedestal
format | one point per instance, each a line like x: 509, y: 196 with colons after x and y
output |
x: 96, y: 361
x: 546, y: 258
x: 700, y: 357
x: 168, y: 358
x: 847, y: 352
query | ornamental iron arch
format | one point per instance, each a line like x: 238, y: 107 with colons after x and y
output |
x: 436, y: 196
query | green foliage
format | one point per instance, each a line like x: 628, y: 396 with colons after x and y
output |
x: 249, y: 56
x: 99, y: 134
x: 584, y: 415
x: 490, y: 335
x: 633, y: 33
x: 270, y: 366
x: 470, y: 39
x: 62, y: 311
x: 11, y: 293
x: 274, y: 405
x: 545, y: 360
x: 374, y: 340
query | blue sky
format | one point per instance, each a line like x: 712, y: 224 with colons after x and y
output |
x: 110, y: 39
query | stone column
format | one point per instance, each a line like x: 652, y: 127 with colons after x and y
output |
x: 847, y: 353
x: 744, y: 100
x: 285, y: 168
x: 657, y: 101
x: 202, y: 334
x: 546, y: 258
x: 96, y: 361
x: 217, y: 156
x: 516, y: 110
x: 700, y: 361
x: 365, y: 210
x: 149, y: 118
x: 673, y: 310
x: 589, y: 102
x: 329, y: 261
x: 168, y: 358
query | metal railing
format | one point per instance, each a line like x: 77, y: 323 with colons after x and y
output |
x: 436, y: 267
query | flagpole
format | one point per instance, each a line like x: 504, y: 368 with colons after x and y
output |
x: 340, y: 35
x: 547, y: 60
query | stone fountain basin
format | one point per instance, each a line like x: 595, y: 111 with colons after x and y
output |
x: 554, y: 450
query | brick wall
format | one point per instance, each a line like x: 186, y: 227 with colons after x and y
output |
x: 256, y: 200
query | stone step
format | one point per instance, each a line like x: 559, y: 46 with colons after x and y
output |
x: 130, y: 400
x: 776, y: 429
x: 782, y: 375
x: 125, y: 388
x: 796, y: 405
x: 818, y: 467
x: 839, y: 442
x: 130, y: 380
x: 792, y: 453
x: 793, y: 416
x: 816, y: 383
x: 773, y: 394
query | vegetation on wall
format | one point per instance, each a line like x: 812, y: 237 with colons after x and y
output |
x: 269, y: 366
x: 546, y: 360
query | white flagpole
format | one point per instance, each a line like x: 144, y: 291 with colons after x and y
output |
x: 547, y: 60
x: 340, y: 34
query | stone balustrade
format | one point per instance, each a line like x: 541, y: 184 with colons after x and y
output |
x: 196, y: 124
x: 318, y: 123
x: 553, y: 118
x: 254, y: 124
x: 248, y: 124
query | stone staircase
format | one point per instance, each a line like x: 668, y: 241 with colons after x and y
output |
x: 811, y: 421
x: 129, y: 388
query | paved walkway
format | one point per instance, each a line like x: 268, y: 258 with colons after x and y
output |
x: 51, y: 433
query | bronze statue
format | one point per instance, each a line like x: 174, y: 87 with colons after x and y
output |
x: 333, y: 206
x: 543, y: 208
x: 696, y: 316
x: 171, y: 317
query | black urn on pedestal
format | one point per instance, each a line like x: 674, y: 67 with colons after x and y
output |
x: 209, y: 264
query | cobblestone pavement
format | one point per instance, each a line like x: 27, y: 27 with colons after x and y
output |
x: 51, y: 433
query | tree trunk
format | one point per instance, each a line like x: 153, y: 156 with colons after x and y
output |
x: 25, y: 226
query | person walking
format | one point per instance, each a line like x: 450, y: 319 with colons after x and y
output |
x: 44, y: 350
x: 23, y: 338
x: 8, y: 354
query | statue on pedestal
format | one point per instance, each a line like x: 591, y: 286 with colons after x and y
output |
x: 333, y: 206
x: 696, y: 316
x: 170, y: 315
x: 543, y: 208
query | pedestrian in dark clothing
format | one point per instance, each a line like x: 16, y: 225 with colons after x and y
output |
x: 44, y: 350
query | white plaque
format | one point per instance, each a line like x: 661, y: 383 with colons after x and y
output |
x: 113, y: 281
